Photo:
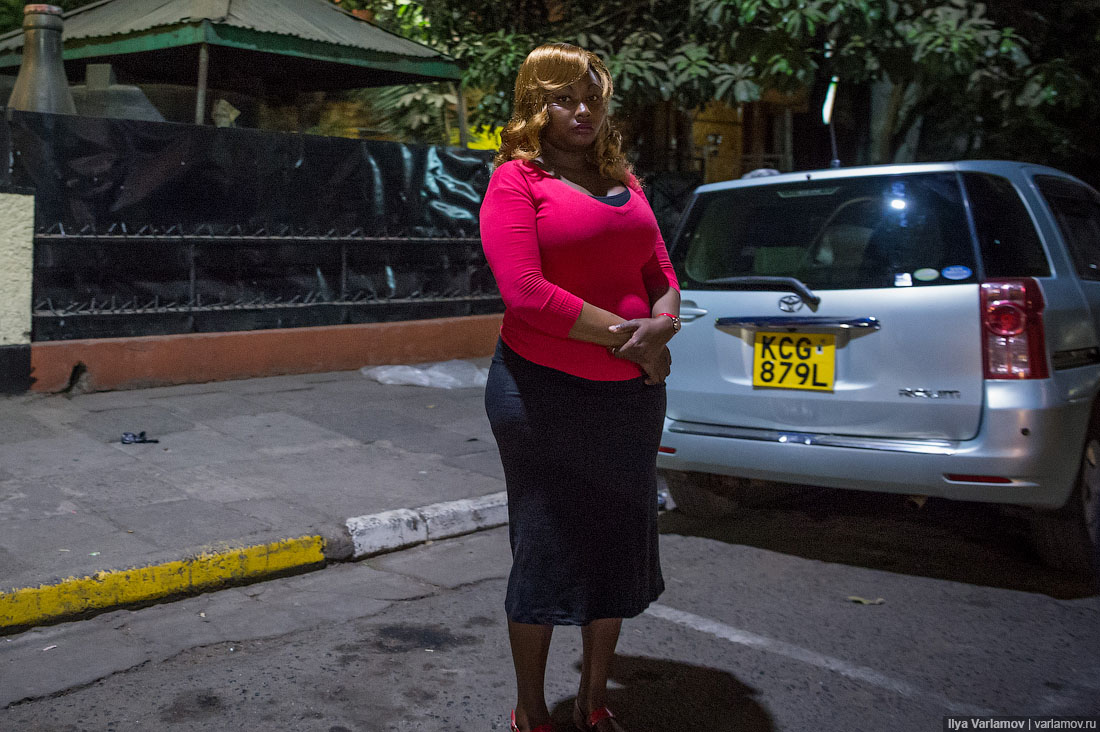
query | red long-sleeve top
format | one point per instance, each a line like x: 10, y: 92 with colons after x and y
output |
x: 552, y: 248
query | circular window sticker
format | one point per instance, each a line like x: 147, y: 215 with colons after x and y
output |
x: 956, y: 272
x: 927, y: 274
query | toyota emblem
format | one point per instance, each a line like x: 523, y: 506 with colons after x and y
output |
x: 790, y: 303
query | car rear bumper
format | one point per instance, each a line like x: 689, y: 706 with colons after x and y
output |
x: 1036, y: 449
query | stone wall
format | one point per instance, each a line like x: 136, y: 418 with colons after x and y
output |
x: 16, y: 267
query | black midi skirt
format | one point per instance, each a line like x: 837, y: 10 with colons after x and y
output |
x: 579, y: 461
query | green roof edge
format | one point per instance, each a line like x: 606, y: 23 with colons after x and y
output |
x: 150, y: 40
x: 251, y: 40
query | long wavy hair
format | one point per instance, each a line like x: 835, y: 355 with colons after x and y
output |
x: 547, y: 69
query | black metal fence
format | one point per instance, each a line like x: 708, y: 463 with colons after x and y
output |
x: 154, y: 228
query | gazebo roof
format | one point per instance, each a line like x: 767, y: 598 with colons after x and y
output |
x: 318, y: 45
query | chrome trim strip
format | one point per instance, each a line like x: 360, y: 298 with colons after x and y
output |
x: 1073, y: 359
x: 924, y: 447
x: 779, y: 321
x: 751, y: 282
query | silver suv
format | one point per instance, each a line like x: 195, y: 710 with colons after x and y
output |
x: 924, y: 329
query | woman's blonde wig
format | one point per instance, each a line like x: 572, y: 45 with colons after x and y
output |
x: 547, y: 69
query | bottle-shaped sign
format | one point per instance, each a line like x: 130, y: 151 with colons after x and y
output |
x: 41, y: 85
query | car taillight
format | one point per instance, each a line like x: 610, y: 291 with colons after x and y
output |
x: 1013, y: 344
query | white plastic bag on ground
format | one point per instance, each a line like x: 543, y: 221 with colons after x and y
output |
x: 457, y: 374
x: 397, y: 375
x: 452, y: 374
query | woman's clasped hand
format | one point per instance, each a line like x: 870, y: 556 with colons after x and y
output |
x: 647, y: 346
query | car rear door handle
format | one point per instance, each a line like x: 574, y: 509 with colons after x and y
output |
x: 778, y: 321
x: 690, y: 312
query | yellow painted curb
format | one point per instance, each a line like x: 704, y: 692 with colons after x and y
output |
x: 35, y: 605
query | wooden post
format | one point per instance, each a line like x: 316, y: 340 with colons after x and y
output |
x: 200, y: 94
x: 788, y: 140
x: 783, y: 137
x: 759, y: 135
x: 460, y: 106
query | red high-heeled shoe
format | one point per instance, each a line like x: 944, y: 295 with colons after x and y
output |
x: 596, y: 716
x: 541, y: 728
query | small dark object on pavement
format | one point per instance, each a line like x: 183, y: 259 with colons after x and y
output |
x: 129, y: 438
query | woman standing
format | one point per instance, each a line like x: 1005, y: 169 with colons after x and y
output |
x: 576, y: 392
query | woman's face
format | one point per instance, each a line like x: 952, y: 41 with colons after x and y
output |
x: 576, y: 114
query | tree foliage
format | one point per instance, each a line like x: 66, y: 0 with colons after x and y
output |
x: 918, y: 53
x: 1012, y: 78
x: 923, y: 52
x: 1054, y: 106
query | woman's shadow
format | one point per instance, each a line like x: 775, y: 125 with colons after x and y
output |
x: 656, y: 695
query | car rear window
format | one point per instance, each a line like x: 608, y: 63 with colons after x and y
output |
x: 1077, y: 211
x: 1007, y: 238
x: 867, y: 232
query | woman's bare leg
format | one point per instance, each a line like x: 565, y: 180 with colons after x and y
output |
x: 530, y: 647
x: 598, y: 639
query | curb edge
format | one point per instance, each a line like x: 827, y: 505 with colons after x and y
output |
x: 30, y: 606
x: 388, y: 531
x: 362, y: 536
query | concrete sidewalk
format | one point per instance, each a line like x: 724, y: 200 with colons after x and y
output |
x: 249, y: 478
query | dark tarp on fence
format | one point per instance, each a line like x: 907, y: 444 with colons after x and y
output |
x: 148, y: 228
x: 95, y: 172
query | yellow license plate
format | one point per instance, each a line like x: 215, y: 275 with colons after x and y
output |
x: 794, y: 360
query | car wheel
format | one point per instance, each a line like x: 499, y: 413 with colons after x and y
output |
x: 700, y: 494
x: 1069, y: 538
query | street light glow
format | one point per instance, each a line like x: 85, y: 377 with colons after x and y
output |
x: 830, y: 97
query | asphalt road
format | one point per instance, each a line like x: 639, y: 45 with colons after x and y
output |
x: 755, y: 632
